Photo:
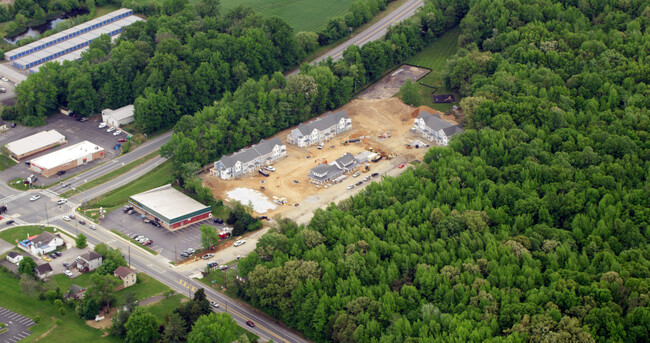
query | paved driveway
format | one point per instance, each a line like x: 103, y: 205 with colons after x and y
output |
x: 74, y: 132
x: 16, y: 324
x: 164, y: 241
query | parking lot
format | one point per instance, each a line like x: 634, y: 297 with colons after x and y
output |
x: 67, y: 256
x: 165, y: 242
x: 17, y: 325
x: 74, y: 132
x: 7, y: 97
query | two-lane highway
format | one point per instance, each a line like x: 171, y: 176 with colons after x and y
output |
x: 374, y: 32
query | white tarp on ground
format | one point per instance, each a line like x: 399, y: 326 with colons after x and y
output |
x: 260, y: 202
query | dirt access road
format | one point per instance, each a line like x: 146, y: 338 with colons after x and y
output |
x: 370, y: 119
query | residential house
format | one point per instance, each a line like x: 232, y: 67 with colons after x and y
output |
x: 75, y: 292
x: 45, y: 243
x: 14, y: 257
x: 324, y: 173
x: 320, y: 130
x: 89, y: 261
x: 127, y: 275
x: 250, y: 159
x: 43, y: 271
x: 435, y: 129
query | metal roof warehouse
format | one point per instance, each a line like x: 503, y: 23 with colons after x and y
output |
x: 67, y: 158
x: 171, y: 208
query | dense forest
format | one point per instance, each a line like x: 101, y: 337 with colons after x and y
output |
x: 532, y: 226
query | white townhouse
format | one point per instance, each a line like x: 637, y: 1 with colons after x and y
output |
x: 249, y: 159
x: 435, y: 129
x: 324, y: 173
x: 320, y: 130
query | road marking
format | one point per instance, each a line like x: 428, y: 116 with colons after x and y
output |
x: 366, y: 37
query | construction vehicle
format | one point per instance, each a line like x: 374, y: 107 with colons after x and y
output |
x: 366, y: 168
x: 264, y: 172
x: 377, y: 157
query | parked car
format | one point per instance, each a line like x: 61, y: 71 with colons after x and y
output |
x: 185, y: 254
x: 27, y: 163
x: 239, y: 242
x: 359, y: 183
x: 350, y: 187
x: 135, y: 235
x: 148, y: 242
x: 122, y: 140
x: 366, y: 179
x: 212, y: 264
x: 67, y: 273
x: 4, y: 79
x: 13, y: 125
x: 263, y: 218
x: 47, y: 258
x: 146, y: 220
x: 3, y: 90
x: 130, y: 212
x: 214, y: 304
x: 250, y: 323
x: 320, y: 146
x: 101, y: 126
x: 269, y: 168
x: 374, y: 174
x: 401, y: 166
x: 61, y: 201
x: 53, y: 256
x: 207, y: 256
x: 66, y: 264
x: 127, y: 208
x: 35, y: 197
x: 218, y: 220
x: 155, y: 223
x: 110, y: 129
x: 117, y: 133
x: 223, y: 267
x: 60, y: 172
x: 57, y: 253
x: 356, y: 174
x: 191, y: 250
x: 83, y: 119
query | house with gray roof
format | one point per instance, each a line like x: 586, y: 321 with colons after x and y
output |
x: 45, y: 243
x: 42, y: 271
x: 320, y: 130
x: 324, y: 173
x: 435, y: 129
x: 249, y: 159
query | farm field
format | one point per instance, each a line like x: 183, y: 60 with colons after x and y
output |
x: 435, y: 58
x: 302, y: 15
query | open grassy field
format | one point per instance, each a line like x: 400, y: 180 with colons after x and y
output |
x: 302, y: 15
x: 5, y: 161
x: 435, y: 58
x: 21, y: 232
x: 159, y: 176
x: 72, y: 328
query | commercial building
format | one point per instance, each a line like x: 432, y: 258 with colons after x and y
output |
x: 320, y: 130
x: 68, y: 34
x: 120, y: 116
x: 67, y: 158
x: 433, y: 128
x: 170, y: 208
x: 45, y: 243
x: 249, y: 159
x: 28, y: 146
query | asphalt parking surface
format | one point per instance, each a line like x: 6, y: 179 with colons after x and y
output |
x: 164, y: 241
x: 16, y: 324
x: 7, y: 97
x: 74, y: 132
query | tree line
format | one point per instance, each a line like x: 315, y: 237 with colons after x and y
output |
x: 531, y: 226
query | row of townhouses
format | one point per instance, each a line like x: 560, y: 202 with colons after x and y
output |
x: 249, y: 159
x: 320, y: 130
x: 324, y: 173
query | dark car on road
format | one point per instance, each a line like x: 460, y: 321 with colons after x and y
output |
x: 9, y: 222
x: 375, y: 174
x: 82, y: 222
x: 250, y: 323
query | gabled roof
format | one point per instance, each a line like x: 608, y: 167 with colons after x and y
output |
x: 120, y: 113
x: 44, y: 238
x: 123, y: 272
x: 91, y: 255
x: 434, y: 122
x: 345, y: 160
x: 321, y: 169
x: 74, y: 289
x: 246, y: 155
x: 321, y: 124
x: 43, y: 268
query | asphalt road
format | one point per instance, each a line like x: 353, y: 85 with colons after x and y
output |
x: 374, y: 32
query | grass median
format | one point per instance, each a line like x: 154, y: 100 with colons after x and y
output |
x: 109, y: 176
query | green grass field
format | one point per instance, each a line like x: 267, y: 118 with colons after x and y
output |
x: 6, y: 161
x: 159, y: 176
x: 72, y: 329
x: 302, y: 15
x: 19, y: 233
x: 435, y: 58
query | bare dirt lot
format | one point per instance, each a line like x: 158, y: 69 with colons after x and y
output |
x: 370, y: 119
x: 389, y: 85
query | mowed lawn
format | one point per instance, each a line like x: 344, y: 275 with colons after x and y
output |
x: 435, y: 58
x: 159, y: 176
x: 72, y: 328
x: 22, y: 232
x: 302, y: 15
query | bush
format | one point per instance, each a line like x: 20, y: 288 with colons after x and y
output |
x: 58, y: 322
x: 36, y: 319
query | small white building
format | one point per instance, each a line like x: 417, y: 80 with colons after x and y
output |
x: 14, y: 257
x: 120, y: 116
x: 45, y: 243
